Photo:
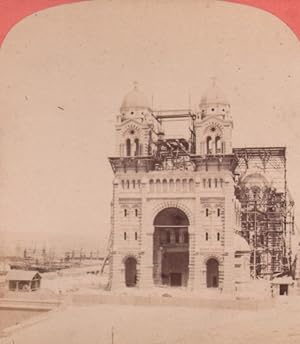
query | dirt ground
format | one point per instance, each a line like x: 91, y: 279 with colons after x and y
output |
x: 156, y: 325
x: 10, y: 317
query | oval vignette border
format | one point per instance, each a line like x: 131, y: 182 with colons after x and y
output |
x: 287, y: 11
x: 12, y: 11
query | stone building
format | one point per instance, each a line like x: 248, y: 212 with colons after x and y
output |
x: 175, y: 218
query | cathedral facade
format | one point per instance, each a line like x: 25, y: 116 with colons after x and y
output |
x: 175, y: 218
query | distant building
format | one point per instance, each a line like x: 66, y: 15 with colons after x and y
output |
x: 175, y: 218
x: 19, y: 280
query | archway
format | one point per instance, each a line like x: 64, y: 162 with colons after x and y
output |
x: 171, y: 248
x: 212, y: 273
x: 209, y: 145
x: 130, y: 272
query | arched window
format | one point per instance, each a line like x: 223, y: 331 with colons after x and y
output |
x: 218, y: 145
x: 137, y: 147
x: 141, y: 149
x: 212, y: 273
x: 218, y: 236
x: 125, y: 212
x: 206, y: 212
x: 128, y: 147
x: 206, y: 236
x: 136, y: 212
x: 191, y: 185
x: 216, y: 182
x: 151, y: 183
x: 135, y: 236
x: 125, y: 235
x: 209, y: 145
x: 219, y: 211
x: 130, y: 272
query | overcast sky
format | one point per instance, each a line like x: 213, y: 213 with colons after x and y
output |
x: 64, y: 72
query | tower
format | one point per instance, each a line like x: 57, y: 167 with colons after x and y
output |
x: 175, y: 218
x: 213, y: 124
x: 134, y: 125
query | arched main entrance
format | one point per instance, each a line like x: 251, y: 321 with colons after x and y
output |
x: 171, y: 248
x: 130, y: 272
x: 212, y: 273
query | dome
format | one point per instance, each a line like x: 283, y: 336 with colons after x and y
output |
x: 135, y: 99
x: 255, y: 179
x: 240, y: 244
x: 214, y: 95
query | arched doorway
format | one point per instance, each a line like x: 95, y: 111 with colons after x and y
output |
x: 171, y: 248
x: 130, y: 272
x: 212, y: 273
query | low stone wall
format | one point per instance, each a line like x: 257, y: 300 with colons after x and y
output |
x: 42, y: 305
x: 137, y: 300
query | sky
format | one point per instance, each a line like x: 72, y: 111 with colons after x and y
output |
x: 65, y: 70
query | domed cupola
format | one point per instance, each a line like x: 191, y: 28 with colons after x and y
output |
x: 214, y: 103
x: 135, y: 101
x: 240, y: 244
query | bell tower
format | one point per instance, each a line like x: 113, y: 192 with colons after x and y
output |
x: 134, y: 125
x: 213, y: 124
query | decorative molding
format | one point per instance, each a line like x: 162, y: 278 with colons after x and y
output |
x: 173, y: 204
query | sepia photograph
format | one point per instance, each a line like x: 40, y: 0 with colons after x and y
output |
x: 149, y: 171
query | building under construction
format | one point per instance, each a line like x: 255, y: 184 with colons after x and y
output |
x: 267, y: 208
x: 190, y: 210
